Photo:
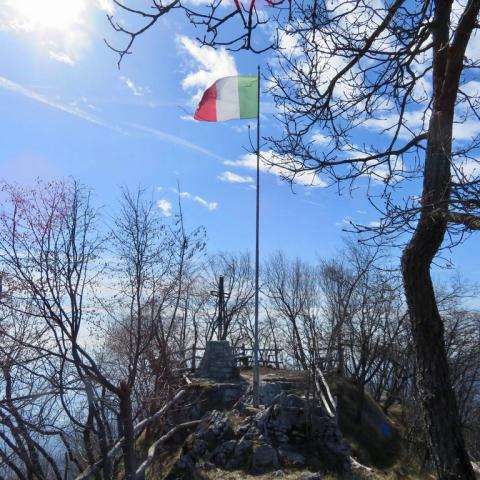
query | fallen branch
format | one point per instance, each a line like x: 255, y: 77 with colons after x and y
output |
x: 329, y: 402
x: 359, y: 466
x: 153, y: 448
x: 137, y: 429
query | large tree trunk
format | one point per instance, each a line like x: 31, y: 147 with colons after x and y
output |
x: 433, y: 379
x: 438, y: 398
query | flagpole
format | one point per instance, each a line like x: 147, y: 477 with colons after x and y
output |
x: 256, y: 373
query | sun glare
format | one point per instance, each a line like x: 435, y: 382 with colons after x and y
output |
x: 50, y: 14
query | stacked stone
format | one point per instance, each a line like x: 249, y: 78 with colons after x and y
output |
x: 218, y: 362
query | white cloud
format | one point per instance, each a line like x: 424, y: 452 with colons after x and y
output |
x: 415, y: 120
x: 190, y: 196
x: 176, y: 140
x: 61, y: 27
x: 61, y: 57
x: 135, y: 89
x: 32, y: 15
x: 320, y: 139
x: 165, y: 206
x: 284, y: 167
x: 73, y: 109
x: 467, y: 130
x: 379, y: 170
x: 290, y: 44
x: 106, y: 6
x: 467, y: 170
x: 384, y: 172
x: 471, y: 88
x: 196, y: 198
x: 473, y: 48
x: 73, y: 43
x: 347, y: 220
x: 70, y: 109
x: 206, y: 64
x: 231, y: 177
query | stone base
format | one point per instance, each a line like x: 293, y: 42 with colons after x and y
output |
x: 218, y: 362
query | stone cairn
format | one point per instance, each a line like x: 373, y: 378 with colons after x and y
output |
x: 218, y: 362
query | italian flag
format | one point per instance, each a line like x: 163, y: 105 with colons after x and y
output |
x: 229, y: 98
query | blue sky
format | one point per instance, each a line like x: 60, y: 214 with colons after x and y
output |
x: 66, y: 110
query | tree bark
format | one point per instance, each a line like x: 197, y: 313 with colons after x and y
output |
x: 433, y: 378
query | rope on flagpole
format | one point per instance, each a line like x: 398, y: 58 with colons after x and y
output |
x: 256, y: 372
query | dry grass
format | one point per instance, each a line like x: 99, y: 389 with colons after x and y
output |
x: 270, y: 373
x: 217, y: 474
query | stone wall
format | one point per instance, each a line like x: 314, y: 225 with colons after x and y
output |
x: 218, y: 362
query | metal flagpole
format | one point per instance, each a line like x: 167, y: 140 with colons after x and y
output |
x: 256, y: 373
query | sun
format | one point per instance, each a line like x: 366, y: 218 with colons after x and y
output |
x: 49, y: 14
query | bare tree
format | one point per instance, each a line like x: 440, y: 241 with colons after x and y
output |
x: 340, y: 280
x: 213, y: 17
x: 374, y: 324
x: 147, y: 336
x: 237, y: 271
x: 50, y: 250
x: 28, y: 413
x: 72, y: 404
x: 462, y: 337
x: 170, y: 309
x: 48, y: 246
x: 292, y: 290
x: 137, y: 244
x: 354, y: 64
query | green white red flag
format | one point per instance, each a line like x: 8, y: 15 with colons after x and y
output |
x: 229, y: 98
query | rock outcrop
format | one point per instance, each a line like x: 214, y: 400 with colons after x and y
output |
x: 289, y: 433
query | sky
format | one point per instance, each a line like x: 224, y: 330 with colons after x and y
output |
x: 67, y: 110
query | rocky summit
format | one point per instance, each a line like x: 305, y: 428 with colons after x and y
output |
x: 290, y: 432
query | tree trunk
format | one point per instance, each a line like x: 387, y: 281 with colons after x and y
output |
x: 300, y: 353
x: 361, y: 402
x: 340, y: 353
x: 126, y: 420
x: 438, y: 398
